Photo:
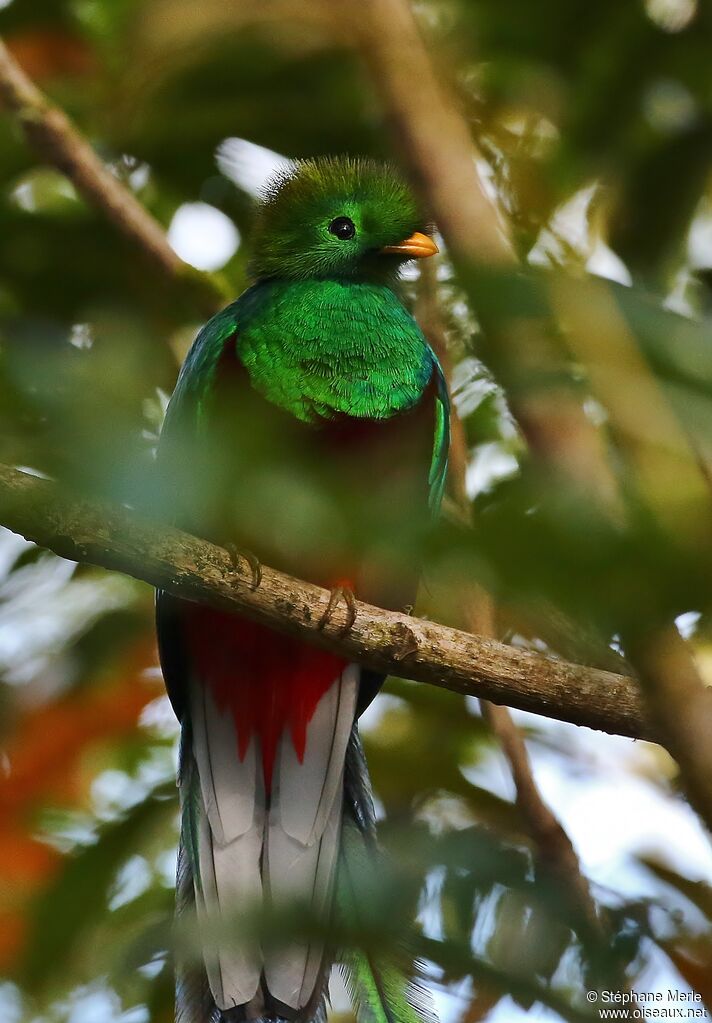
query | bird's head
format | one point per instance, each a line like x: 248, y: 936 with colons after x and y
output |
x: 338, y: 218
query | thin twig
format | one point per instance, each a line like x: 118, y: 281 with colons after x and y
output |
x: 102, y: 534
x: 555, y: 848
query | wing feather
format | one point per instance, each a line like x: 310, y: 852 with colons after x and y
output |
x: 441, y: 440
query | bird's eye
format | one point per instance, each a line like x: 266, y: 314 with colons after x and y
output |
x: 343, y: 227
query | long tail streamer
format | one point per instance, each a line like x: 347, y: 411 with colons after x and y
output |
x: 379, y: 990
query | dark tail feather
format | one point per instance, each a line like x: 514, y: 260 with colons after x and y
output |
x: 358, y: 797
x: 380, y: 992
x: 194, y: 1001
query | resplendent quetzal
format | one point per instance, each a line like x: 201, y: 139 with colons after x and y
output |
x: 309, y: 425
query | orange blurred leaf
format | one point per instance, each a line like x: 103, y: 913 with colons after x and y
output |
x: 47, y: 54
x: 49, y: 740
x: 693, y: 960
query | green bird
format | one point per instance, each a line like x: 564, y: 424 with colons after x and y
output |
x: 309, y: 426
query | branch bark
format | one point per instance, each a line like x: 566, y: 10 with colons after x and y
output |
x: 116, y: 538
x: 57, y: 141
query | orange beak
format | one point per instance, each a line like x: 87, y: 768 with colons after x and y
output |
x: 418, y: 246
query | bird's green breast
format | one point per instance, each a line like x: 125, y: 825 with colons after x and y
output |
x: 323, y: 348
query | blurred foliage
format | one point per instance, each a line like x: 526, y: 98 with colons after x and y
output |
x: 596, y: 124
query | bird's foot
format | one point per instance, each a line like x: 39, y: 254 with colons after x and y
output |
x: 238, y: 555
x: 340, y: 592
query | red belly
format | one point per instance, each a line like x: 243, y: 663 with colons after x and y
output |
x: 269, y: 682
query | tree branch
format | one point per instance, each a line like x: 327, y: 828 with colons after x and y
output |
x: 53, y: 136
x: 116, y: 538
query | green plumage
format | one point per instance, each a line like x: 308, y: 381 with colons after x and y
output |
x: 372, y: 362
x: 292, y: 239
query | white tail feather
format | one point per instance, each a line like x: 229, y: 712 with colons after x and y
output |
x: 292, y: 872
x: 305, y: 792
x: 303, y: 834
x: 233, y: 793
x: 289, y: 856
x: 230, y: 843
x: 230, y: 878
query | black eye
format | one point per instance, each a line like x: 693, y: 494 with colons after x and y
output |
x: 343, y: 227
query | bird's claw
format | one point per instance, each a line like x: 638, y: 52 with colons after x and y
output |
x: 237, y: 554
x: 347, y: 595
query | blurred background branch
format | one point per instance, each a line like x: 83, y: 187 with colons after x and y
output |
x: 433, y: 138
x: 57, y: 142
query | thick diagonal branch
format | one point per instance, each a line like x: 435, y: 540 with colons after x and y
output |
x: 387, y: 641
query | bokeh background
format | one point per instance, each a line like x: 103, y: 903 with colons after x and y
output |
x: 595, y: 127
